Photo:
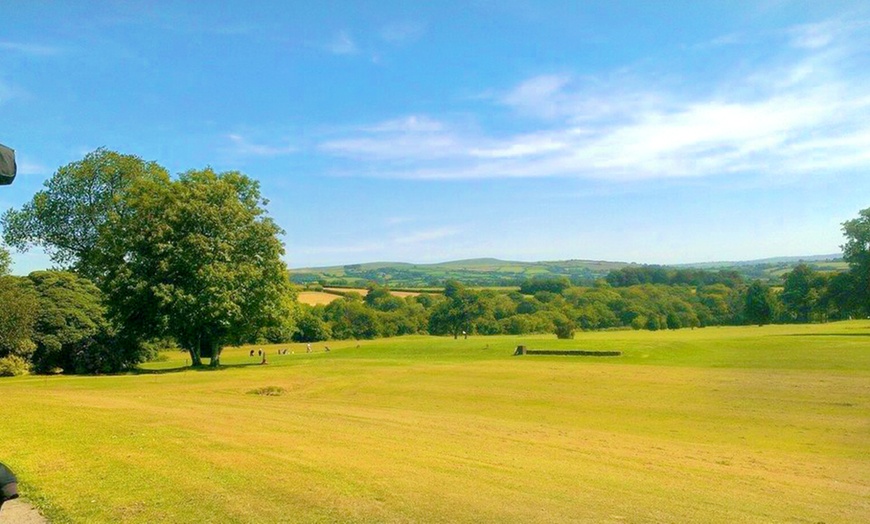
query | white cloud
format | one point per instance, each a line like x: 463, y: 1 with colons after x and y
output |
x: 243, y: 147
x: 807, y: 115
x: 541, y: 95
x: 814, y: 36
x: 408, y: 124
x: 413, y: 138
x: 30, y: 49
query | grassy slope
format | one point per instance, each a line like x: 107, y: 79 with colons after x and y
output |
x: 712, y: 425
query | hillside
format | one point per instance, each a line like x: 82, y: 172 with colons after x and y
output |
x: 475, y: 272
x: 491, y: 272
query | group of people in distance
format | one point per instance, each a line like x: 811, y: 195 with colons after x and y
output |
x: 262, y: 352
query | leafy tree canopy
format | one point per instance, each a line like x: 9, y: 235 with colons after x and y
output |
x: 856, y: 251
x: 5, y: 261
x: 196, y: 259
x: 66, y: 217
x: 20, y: 308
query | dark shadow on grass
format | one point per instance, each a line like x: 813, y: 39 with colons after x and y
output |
x: 182, y: 369
x: 826, y: 335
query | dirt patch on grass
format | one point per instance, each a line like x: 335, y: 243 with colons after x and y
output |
x: 20, y: 512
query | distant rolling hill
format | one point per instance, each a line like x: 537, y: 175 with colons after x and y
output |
x: 489, y: 272
x: 492, y: 272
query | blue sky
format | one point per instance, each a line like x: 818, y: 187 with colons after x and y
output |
x: 653, y: 132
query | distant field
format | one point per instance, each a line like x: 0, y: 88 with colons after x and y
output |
x: 363, y: 291
x: 316, y: 298
x: 715, y: 425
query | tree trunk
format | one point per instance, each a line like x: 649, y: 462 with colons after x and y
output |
x: 195, y: 351
x: 215, y: 356
x: 195, y: 359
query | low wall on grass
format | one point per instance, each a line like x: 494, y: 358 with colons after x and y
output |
x: 523, y: 350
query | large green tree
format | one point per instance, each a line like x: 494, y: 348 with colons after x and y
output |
x: 802, y: 289
x: 458, y: 313
x: 196, y: 259
x: 66, y: 217
x: 759, y: 305
x: 856, y: 251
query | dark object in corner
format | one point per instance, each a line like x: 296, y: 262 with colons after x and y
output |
x: 8, y: 484
x: 8, y: 169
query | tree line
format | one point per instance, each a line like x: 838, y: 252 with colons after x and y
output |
x: 633, y: 297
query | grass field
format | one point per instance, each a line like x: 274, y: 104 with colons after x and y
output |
x: 709, y: 425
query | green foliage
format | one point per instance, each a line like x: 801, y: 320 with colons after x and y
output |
x: 68, y: 216
x: 13, y: 366
x: 802, y: 291
x: 70, y: 316
x: 759, y: 305
x: 634, y: 275
x: 310, y: 327
x: 856, y: 251
x: 458, y: 313
x: 478, y: 273
x: 545, y: 283
x: 842, y: 297
x: 20, y: 309
x: 349, y: 318
x: 195, y: 259
x: 564, y: 327
x: 5, y: 261
x: 72, y: 332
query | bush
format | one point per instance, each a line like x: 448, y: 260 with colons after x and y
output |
x: 564, y: 327
x: 13, y: 365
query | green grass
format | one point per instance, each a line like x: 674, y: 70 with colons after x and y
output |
x: 708, y: 425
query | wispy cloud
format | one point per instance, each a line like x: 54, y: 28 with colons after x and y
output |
x: 404, y: 32
x: 30, y: 49
x: 7, y: 92
x: 244, y: 147
x: 342, y: 44
x: 28, y: 167
x: 427, y: 235
x: 411, y: 138
x: 808, y: 114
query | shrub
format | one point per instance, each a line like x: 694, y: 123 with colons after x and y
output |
x: 564, y: 327
x: 13, y: 365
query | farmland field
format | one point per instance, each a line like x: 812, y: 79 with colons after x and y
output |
x: 316, y: 298
x: 742, y: 424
